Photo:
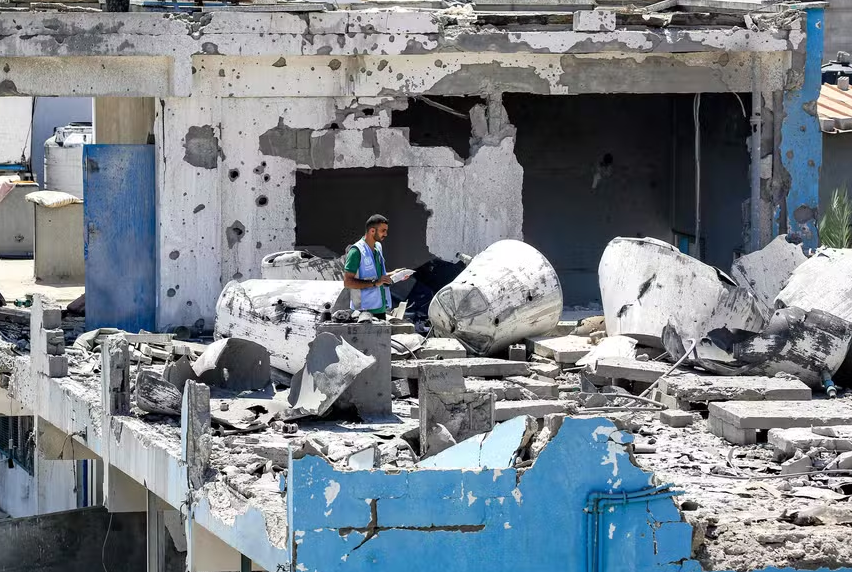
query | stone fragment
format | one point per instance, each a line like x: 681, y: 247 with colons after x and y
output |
x: 156, y: 395
x: 700, y: 388
x: 536, y: 409
x: 766, y: 271
x: 517, y: 352
x: 479, y: 367
x: 739, y: 421
x: 441, y: 348
x: 542, y: 389
x: 550, y: 370
x: 565, y: 350
x: 234, y: 364
x: 801, y: 465
x: 831, y: 438
x: 674, y: 418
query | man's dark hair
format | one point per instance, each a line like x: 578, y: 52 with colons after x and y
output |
x: 374, y: 221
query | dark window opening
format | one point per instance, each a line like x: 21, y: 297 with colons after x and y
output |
x: 332, y: 206
x: 430, y: 126
x: 17, y: 442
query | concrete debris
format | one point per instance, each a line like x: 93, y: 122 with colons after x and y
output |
x: 821, y: 283
x: 676, y: 418
x: 633, y: 370
x: 739, y: 421
x: 807, y: 345
x: 647, y: 284
x: 681, y: 391
x: 234, y: 364
x: 765, y: 272
x: 610, y: 347
x: 156, y: 395
x: 438, y: 438
x: 787, y: 441
x: 507, y: 293
x: 447, y: 400
x: 479, y: 367
x: 332, y: 366
x: 800, y: 464
x: 537, y: 409
x: 415, y: 346
x: 501, y: 448
x: 565, y: 350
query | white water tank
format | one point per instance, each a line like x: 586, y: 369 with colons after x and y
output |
x: 63, y: 158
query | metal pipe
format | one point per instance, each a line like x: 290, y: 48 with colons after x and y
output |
x: 828, y: 385
x: 756, y: 153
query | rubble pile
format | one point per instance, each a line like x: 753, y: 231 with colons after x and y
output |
x: 725, y: 382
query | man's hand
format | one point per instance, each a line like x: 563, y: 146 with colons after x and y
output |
x: 384, y: 280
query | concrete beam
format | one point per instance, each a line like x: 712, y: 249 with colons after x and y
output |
x: 56, y: 445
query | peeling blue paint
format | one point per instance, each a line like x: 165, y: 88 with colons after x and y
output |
x: 801, y: 138
x: 504, y: 519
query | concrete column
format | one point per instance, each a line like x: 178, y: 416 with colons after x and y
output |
x: 115, y: 376
x: 156, y: 535
x: 47, y: 341
x: 196, y: 438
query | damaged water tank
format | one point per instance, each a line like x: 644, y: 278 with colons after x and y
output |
x: 647, y: 284
x: 508, y: 292
x: 282, y: 315
x: 63, y: 158
x: 300, y: 265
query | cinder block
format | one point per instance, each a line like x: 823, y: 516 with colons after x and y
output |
x: 674, y: 418
x: 594, y: 21
x: 55, y: 342
x: 730, y: 433
x: 57, y: 366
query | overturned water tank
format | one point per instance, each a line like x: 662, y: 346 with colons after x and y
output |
x: 282, y: 315
x: 508, y: 292
x: 63, y: 158
x: 300, y: 265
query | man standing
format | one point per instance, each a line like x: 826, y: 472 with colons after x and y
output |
x: 365, y: 271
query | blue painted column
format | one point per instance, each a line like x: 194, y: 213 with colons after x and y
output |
x: 801, y: 138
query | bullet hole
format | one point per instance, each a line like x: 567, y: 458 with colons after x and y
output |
x: 496, y: 321
x: 382, y: 65
x: 234, y: 233
x: 174, y: 254
x: 280, y: 63
x: 399, y: 76
x: 262, y: 201
x: 258, y: 245
x: 266, y: 178
x: 237, y: 276
x: 529, y: 297
x: 258, y: 170
x: 221, y: 73
x: 334, y: 126
x: 199, y: 324
x: 438, y: 63
x: 263, y: 164
x: 199, y: 208
x: 368, y: 112
x: 189, y: 302
x: 171, y: 292
x: 233, y: 174
x: 6, y: 68
x: 334, y: 64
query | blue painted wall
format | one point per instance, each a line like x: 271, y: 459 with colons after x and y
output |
x: 470, y: 520
x: 801, y: 138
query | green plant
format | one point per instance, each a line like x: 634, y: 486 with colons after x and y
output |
x: 834, y: 229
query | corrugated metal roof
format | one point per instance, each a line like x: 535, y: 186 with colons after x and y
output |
x: 835, y: 109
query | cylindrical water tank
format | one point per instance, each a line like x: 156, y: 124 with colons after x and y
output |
x: 63, y: 158
x: 508, y: 292
x: 299, y: 265
x: 282, y: 315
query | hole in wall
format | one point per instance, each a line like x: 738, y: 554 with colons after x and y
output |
x: 429, y: 126
x: 262, y: 201
x: 233, y: 174
x: 332, y: 206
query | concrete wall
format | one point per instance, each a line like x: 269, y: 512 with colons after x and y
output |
x: 59, y: 234
x: 52, y: 490
x: 72, y: 542
x: 52, y: 112
x: 18, y: 494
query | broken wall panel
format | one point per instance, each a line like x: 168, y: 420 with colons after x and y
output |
x: 430, y: 126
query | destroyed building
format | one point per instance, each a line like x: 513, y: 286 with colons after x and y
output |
x: 229, y: 141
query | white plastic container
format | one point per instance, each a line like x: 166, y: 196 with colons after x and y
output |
x: 508, y: 292
x: 63, y: 158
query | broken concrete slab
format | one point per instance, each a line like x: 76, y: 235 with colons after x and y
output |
x: 370, y: 393
x: 403, y: 346
x: 647, y: 283
x: 674, y: 418
x: 332, y: 366
x: 441, y: 348
x: 702, y: 388
x: 550, y: 370
x: 196, y: 437
x: 504, y: 410
x: 470, y: 367
x: 178, y: 372
x: 795, y: 466
x: 542, y: 389
x: 633, y: 370
x: 765, y: 272
x: 565, y: 350
x: 507, y: 292
x: 552, y: 424
x: 739, y: 421
x: 830, y: 268
x: 609, y: 347
x: 498, y: 449
x: 446, y: 400
x: 156, y: 395
x: 836, y: 438
x: 234, y: 364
